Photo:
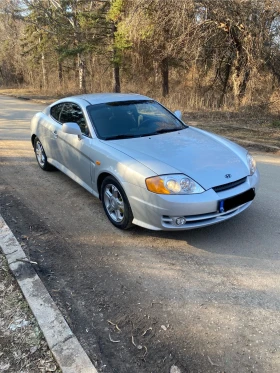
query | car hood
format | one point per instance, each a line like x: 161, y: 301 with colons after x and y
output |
x: 203, y: 156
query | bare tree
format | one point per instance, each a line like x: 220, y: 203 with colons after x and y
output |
x: 166, y: 31
x: 236, y: 31
x: 217, y: 49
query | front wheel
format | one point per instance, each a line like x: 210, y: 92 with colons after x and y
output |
x: 115, y: 203
x: 41, y: 155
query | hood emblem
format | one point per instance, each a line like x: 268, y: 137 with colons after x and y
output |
x: 228, y: 176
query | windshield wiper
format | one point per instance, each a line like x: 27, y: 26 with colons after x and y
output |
x: 119, y: 137
x: 163, y: 130
x: 128, y: 136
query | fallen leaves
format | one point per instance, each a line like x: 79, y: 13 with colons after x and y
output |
x: 22, y: 347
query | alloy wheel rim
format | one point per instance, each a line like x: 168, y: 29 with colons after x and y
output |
x: 114, y: 203
x: 40, y: 154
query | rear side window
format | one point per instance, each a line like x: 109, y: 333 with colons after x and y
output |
x: 56, y: 110
x: 69, y: 112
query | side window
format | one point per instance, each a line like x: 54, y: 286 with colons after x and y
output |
x: 73, y: 113
x: 56, y: 110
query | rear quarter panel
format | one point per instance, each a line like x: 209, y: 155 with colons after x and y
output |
x: 43, y: 127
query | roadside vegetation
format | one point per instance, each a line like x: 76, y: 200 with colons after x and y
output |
x: 210, y: 58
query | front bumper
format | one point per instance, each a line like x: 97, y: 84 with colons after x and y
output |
x: 159, y: 211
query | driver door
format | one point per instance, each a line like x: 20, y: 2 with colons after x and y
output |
x: 75, y: 153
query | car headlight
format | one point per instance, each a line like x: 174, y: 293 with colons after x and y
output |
x: 173, y: 184
x: 251, y: 163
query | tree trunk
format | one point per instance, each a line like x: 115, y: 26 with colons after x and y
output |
x: 116, y: 64
x: 225, y: 82
x: 165, y: 76
x: 116, y: 74
x: 240, y: 78
x: 243, y: 85
x: 81, y: 69
x: 60, y: 75
x: 241, y: 69
x: 44, y: 74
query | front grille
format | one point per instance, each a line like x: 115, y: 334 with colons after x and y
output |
x: 220, y: 188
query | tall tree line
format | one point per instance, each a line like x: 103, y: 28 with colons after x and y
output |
x: 209, y: 53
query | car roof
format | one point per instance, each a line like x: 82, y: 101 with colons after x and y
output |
x: 101, y: 98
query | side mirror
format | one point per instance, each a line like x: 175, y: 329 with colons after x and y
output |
x: 178, y: 114
x: 71, y: 128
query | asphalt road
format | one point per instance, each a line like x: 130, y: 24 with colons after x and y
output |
x: 205, y: 300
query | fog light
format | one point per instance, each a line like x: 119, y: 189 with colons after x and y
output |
x: 180, y: 221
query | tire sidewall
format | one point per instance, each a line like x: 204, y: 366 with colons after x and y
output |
x: 127, y: 221
x: 46, y: 164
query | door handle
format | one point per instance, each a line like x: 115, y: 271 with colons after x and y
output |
x: 55, y: 134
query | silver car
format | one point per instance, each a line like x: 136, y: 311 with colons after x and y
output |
x: 147, y: 167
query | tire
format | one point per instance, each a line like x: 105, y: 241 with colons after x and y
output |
x: 41, y: 156
x: 115, y: 203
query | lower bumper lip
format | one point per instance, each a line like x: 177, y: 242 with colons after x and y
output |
x: 200, y: 221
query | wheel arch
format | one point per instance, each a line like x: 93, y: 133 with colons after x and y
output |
x: 33, y: 137
x: 100, y: 179
x: 103, y: 176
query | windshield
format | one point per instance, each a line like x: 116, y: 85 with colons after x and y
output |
x: 125, y: 119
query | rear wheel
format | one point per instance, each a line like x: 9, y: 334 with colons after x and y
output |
x: 115, y: 203
x: 41, y: 155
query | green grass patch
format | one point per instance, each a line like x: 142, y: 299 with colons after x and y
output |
x: 276, y: 123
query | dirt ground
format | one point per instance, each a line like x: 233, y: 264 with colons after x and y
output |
x: 23, y: 348
x: 149, y: 302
